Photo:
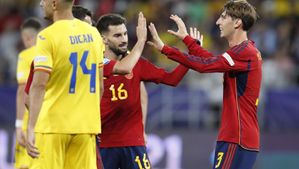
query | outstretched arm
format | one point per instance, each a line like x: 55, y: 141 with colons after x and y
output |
x: 202, y: 60
x: 152, y: 73
x: 169, y: 78
x: 125, y: 65
x: 194, y: 41
x: 174, y: 77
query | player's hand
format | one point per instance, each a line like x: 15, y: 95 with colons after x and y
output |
x: 182, y: 31
x: 30, y: 146
x: 195, y: 34
x: 21, y: 136
x: 141, y: 31
x: 156, y: 41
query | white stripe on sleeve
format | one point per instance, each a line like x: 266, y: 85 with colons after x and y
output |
x: 229, y: 59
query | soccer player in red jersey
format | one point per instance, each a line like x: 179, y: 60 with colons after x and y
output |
x: 122, y: 141
x: 238, y: 140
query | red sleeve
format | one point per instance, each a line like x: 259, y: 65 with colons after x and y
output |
x: 204, y: 61
x: 29, y: 79
x: 108, y: 67
x: 194, y: 46
x: 150, y: 72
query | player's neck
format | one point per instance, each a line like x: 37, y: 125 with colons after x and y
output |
x: 63, y: 15
x: 110, y: 54
x: 237, y: 38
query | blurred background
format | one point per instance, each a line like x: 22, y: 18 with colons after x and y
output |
x: 183, y: 122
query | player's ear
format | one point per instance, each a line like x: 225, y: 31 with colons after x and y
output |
x: 238, y: 23
x: 105, y: 40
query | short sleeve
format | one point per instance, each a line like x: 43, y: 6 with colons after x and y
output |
x: 43, y: 60
x: 21, y: 70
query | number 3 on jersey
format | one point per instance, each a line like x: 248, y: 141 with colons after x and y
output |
x: 121, y: 94
x: 219, y: 159
x: 85, y: 70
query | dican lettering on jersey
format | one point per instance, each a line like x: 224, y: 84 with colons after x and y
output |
x: 79, y: 39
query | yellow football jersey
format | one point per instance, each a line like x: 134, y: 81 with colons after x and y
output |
x: 24, y: 63
x: 71, y: 51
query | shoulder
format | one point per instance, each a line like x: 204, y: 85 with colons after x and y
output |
x: 45, y: 33
x: 27, y: 52
x: 23, y: 53
x: 108, y: 62
x: 47, y: 30
x: 245, y: 50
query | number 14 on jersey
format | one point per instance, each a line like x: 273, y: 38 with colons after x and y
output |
x: 92, y: 72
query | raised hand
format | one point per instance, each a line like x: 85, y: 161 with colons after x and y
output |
x: 182, y: 31
x: 195, y: 34
x: 141, y: 31
x: 156, y: 42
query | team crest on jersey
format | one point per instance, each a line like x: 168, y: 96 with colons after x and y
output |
x: 129, y: 76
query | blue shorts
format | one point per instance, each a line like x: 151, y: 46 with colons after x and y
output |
x: 132, y: 157
x: 233, y: 156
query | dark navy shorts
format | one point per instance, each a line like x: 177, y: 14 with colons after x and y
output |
x: 131, y: 157
x: 232, y: 156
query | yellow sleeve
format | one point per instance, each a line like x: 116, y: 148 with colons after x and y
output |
x: 44, y: 56
x: 22, y: 70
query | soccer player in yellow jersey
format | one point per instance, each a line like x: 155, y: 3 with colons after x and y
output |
x: 29, y: 31
x: 65, y: 93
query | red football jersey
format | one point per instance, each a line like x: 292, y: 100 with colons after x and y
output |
x: 121, y: 112
x: 242, y: 67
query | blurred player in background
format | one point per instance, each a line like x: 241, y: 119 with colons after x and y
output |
x: 65, y: 92
x: 82, y: 13
x: 29, y: 31
x: 238, y: 139
x: 122, y: 140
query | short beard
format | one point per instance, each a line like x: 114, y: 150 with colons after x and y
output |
x: 118, y: 52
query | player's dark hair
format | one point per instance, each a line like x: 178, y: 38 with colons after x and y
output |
x: 109, y: 19
x: 80, y: 12
x: 33, y: 23
x: 243, y: 10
